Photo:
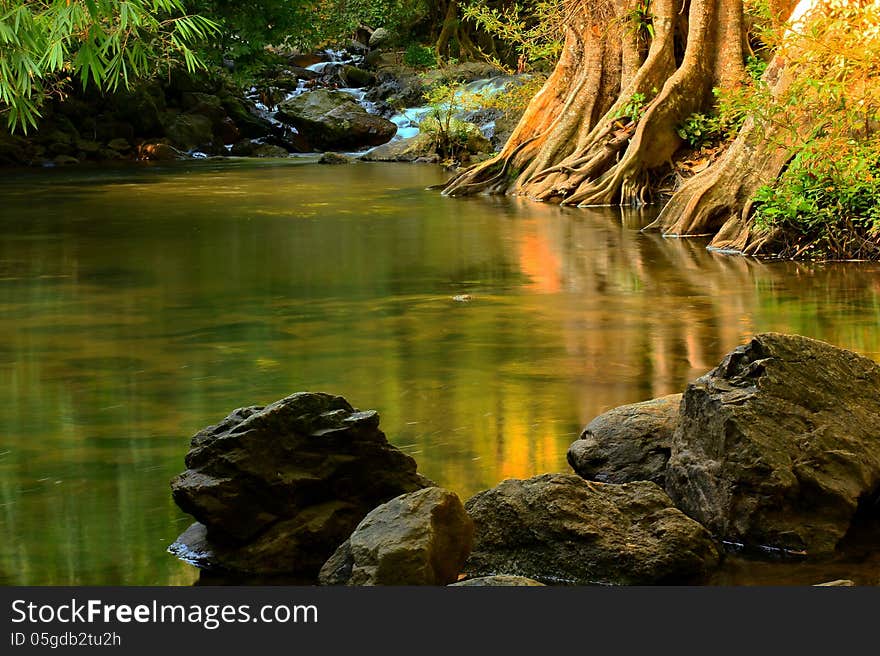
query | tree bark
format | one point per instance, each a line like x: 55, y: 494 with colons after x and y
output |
x: 584, y: 141
x: 607, y: 117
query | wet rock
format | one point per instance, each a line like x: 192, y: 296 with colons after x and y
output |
x: 159, y: 151
x: 504, y: 127
x: 204, y: 104
x: 561, y: 528
x: 356, y: 78
x: 278, y: 488
x: 269, y: 150
x: 500, y: 580
x: 780, y: 444
x: 335, y: 158
x: 398, y: 86
x: 190, y: 131
x: 141, y: 107
x: 332, y: 120
x: 227, y: 132
x: 244, y: 148
x: 629, y: 443
x: 245, y: 116
x: 402, y: 150
x: 420, y: 538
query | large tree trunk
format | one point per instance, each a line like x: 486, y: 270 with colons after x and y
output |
x: 581, y: 143
x: 607, y: 116
x: 717, y: 202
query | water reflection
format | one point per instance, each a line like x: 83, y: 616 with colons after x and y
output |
x: 137, y: 306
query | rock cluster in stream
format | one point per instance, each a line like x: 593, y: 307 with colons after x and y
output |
x: 295, y: 106
x: 276, y: 489
x: 777, y: 446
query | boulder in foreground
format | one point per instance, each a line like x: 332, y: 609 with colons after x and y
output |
x: 277, y: 489
x: 560, y: 528
x: 420, y: 538
x: 629, y: 443
x: 780, y: 444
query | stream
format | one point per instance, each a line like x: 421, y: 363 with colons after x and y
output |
x: 139, y: 304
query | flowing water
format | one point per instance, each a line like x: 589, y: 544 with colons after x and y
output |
x: 140, y: 304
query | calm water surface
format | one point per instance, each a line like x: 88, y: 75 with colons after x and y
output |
x: 139, y: 305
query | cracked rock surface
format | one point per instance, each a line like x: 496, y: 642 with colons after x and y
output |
x: 780, y: 444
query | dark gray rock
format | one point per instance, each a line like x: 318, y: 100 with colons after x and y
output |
x: 190, y: 131
x: 780, y: 444
x: 501, y: 580
x: 420, y: 538
x: 279, y: 488
x: 332, y: 120
x: 356, y: 78
x: 629, y: 443
x: 561, y: 528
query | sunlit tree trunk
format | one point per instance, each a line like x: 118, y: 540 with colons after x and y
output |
x: 606, y: 120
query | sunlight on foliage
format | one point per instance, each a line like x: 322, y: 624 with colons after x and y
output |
x: 828, y: 196
x: 45, y: 45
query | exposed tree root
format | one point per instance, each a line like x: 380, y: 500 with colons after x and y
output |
x: 717, y: 202
x: 618, y: 118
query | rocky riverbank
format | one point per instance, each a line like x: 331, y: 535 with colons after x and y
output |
x: 349, y: 100
x: 777, y: 449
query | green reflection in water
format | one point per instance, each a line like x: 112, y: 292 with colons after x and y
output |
x: 139, y: 305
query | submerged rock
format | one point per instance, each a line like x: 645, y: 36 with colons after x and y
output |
x: 501, y: 580
x: 629, y: 443
x: 332, y: 120
x: 780, y: 444
x: 559, y: 527
x: 420, y: 538
x: 277, y: 489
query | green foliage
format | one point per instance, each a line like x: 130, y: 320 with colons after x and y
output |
x: 305, y: 24
x: 828, y: 204
x: 419, y: 56
x: 634, y: 108
x: 827, y: 201
x: 513, y: 98
x: 450, y: 134
x: 755, y: 67
x: 45, y: 45
x: 532, y: 27
x: 640, y: 21
x: 722, y: 125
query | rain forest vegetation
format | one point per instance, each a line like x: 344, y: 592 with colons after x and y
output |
x: 637, y: 82
x: 755, y: 123
x: 45, y: 46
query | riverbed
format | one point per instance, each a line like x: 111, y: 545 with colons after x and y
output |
x: 142, y: 303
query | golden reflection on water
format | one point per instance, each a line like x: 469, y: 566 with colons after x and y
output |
x: 139, y: 305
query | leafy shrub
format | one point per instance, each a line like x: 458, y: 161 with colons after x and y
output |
x: 827, y: 204
x: 419, y: 56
